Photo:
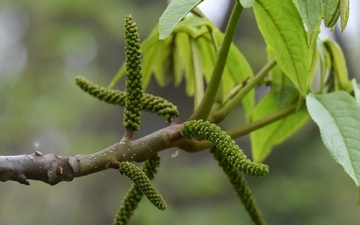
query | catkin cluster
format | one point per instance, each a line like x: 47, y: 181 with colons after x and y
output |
x: 150, y: 103
x: 143, y: 183
x: 241, y: 187
x: 133, y: 103
x: 134, y: 195
x: 226, y: 146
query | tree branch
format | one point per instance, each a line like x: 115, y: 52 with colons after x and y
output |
x: 53, y: 169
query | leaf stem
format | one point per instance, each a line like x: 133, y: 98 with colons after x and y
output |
x: 203, y: 111
x: 247, y: 128
x: 199, y: 82
x: 221, y: 114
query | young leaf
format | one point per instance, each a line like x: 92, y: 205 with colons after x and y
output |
x: 337, y: 115
x: 198, y: 75
x: 325, y: 62
x: 246, y: 3
x: 177, y: 66
x: 264, y: 139
x: 344, y: 13
x: 118, y: 76
x: 161, y: 60
x: 208, y: 55
x: 182, y: 43
x: 148, y: 63
x: 339, y: 64
x: 175, y: 11
x: 283, y: 31
x: 331, y: 12
x: 311, y: 13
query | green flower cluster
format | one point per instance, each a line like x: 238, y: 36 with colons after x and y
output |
x: 133, y: 102
x: 150, y: 103
x: 143, y: 183
x: 226, y: 146
x: 134, y: 195
x: 241, y: 187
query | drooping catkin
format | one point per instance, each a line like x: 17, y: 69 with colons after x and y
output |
x: 225, y: 145
x: 143, y: 182
x: 134, y: 195
x: 240, y: 186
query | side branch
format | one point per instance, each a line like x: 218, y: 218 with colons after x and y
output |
x: 53, y: 169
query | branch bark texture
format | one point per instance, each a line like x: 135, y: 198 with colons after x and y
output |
x: 53, y: 169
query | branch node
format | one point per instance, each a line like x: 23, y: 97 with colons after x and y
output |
x: 74, y: 163
x: 114, y: 164
x: 52, y: 172
x: 59, y: 170
x: 32, y: 157
x: 21, y: 178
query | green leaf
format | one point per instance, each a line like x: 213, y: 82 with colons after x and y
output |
x: 344, y: 13
x: 284, y: 90
x: 194, y: 26
x: 118, y: 75
x: 182, y: 43
x: 337, y: 115
x: 331, y: 12
x: 147, y: 65
x: 208, y: 55
x: 150, y: 41
x: 246, y: 3
x: 199, y: 79
x: 314, y: 62
x: 339, y: 64
x: 161, y: 60
x: 356, y: 91
x: 283, y: 31
x: 264, y: 139
x: 325, y: 62
x: 311, y: 13
x: 177, y: 66
x: 174, y: 12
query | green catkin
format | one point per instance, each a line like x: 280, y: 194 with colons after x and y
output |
x: 143, y: 182
x: 150, y: 103
x: 133, y: 102
x: 226, y: 146
x: 134, y: 195
x: 241, y: 187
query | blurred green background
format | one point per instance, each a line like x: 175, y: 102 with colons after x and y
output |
x: 45, y: 44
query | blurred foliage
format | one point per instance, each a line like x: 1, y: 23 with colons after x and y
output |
x: 42, y: 109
